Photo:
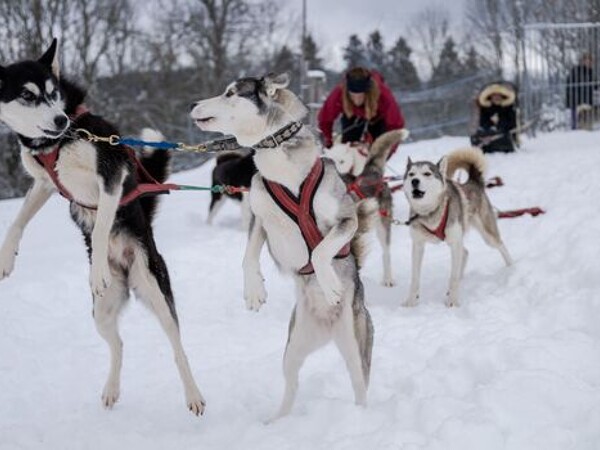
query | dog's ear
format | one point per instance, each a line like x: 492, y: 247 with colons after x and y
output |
x: 274, y: 82
x: 443, y: 166
x: 50, y: 58
x: 409, y: 163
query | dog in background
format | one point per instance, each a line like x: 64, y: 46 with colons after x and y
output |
x: 442, y: 210
x: 232, y: 169
x: 46, y: 111
x: 362, y: 169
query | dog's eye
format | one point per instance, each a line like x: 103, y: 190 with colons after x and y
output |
x: 411, y: 174
x: 427, y: 174
x: 28, y: 96
x: 54, y: 95
x: 229, y: 93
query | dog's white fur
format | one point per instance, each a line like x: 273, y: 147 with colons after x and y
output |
x: 326, y: 305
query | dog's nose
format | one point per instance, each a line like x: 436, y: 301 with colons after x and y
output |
x: 60, y: 121
x: 193, y: 105
x: 415, y: 182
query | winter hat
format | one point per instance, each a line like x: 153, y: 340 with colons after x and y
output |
x: 358, y: 80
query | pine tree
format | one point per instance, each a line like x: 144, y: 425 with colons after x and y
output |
x: 284, y: 61
x: 354, y: 52
x: 401, y: 72
x: 449, y: 66
x: 376, y: 52
x: 311, y: 53
x: 471, y: 62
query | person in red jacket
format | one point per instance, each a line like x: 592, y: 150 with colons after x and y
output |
x: 367, y: 105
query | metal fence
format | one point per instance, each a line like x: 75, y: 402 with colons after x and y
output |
x: 560, y: 67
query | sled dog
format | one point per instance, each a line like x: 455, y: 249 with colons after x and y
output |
x: 46, y: 111
x: 362, y: 169
x: 312, y: 226
x: 442, y: 210
x: 232, y: 169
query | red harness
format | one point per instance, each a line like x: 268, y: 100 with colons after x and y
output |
x: 146, y: 184
x: 300, y: 210
x: 440, y: 231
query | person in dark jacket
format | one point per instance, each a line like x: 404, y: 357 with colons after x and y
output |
x: 581, y: 84
x: 497, y: 121
x: 367, y: 106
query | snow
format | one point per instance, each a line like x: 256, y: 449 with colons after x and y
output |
x: 516, y: 366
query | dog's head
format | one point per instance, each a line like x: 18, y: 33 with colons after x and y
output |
x: 425, y: 182
x: 250, y: 108
x: 348, y: 158
x: 31, y: 103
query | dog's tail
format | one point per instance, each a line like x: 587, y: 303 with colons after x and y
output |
x: 383, y: 145
x: 156, y: 162
x: 470, y: 160
x: 366, y: 211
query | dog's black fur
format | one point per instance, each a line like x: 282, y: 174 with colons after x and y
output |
x: 232, y: 169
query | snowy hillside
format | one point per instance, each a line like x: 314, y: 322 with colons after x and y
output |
x: 517, y: 366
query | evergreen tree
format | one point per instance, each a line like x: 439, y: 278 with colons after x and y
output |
x: 284, y: 61
x: 449, y: 66
x: 376, y: 52
x: 311, y: 53
x: 401, y: 72
x: 471, y: 62
x: 354, y: 52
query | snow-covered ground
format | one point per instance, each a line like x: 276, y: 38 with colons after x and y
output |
x: 517, y: 366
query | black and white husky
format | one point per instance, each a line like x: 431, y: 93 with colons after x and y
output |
x: 42, y: 109
x: 263, y: 114
x: 443, y: 210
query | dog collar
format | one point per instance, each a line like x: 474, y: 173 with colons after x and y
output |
x: 280, y: 136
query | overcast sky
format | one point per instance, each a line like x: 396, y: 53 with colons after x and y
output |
x: 332, y: 21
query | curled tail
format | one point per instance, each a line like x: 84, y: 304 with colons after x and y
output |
x: 157, y: 164
x: 470, y: 160
x: 366, y: 211
x: 383, y: 145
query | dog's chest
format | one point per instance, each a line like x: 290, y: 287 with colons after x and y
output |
x: 286, y: 242
x: 76, y: 169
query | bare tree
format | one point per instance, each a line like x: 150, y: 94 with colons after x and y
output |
x: 430, y: 29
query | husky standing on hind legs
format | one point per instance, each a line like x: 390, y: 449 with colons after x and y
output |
x: 312, y: 226
x: 46, y: 111
x: 442, y: 210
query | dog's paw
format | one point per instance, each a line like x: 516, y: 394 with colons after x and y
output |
x: 332, y: 288
x: 388, y: 282
x: 195, y: 403
x: 254, y: 293
x: 110, y: 395
x: 7, y: 261
x: 411, y: 301
x: 451, y: 300
x: 100, y: 278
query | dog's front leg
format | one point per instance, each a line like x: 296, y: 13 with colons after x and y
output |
x: 323, y: 254
x: 418, y: 249
x: 254, y: 287
x: 108, y: 203
x: 37, y: 196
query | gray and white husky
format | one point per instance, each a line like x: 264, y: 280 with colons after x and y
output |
x: 362, y: 169
x: 442, y: 210
x: 330, y: 297
x: 45, y: 111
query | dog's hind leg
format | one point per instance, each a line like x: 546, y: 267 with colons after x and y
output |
x: 216, y: 202
x: 353, y: 335
x: 384, y: 233
x: 305, y: 336
x: 150, y: 280
x: 106, y: 316
x: 488, y: 228
x: 457, y: 252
